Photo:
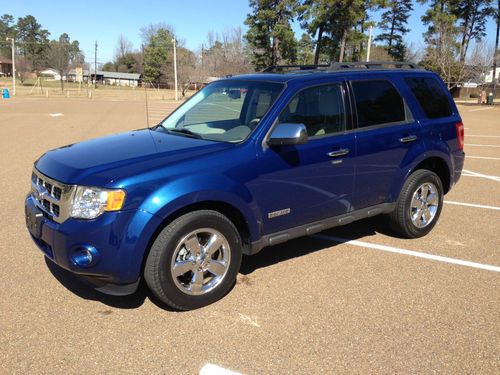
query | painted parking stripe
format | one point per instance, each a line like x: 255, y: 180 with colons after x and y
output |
x: 481, y: 157
x: 486, y: 176
x: 483, y: 136
x: 211, y: 369
x: 473, y: 205
x: 417, y: 254
x: 477, y: 145
x: 480, y: 109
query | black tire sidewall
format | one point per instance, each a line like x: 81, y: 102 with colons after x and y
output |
x: 164, y: 247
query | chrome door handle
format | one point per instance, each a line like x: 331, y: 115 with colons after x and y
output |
x: 336, y: 153
x: 407, y: 139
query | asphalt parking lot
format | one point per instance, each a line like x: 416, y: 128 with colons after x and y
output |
x: 351, y: 300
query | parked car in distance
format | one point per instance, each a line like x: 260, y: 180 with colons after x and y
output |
x: 248, y: 162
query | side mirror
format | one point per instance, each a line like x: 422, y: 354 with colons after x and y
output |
x: 288, y: 134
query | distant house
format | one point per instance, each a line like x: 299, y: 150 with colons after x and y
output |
x: 108, y: 78
x: 117, y: 78
x: 5, y: 66
x: 52, y: 73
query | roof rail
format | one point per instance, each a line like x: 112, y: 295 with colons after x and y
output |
x: 344, y: 65
x: 374, y: 65
x: 282, y: 68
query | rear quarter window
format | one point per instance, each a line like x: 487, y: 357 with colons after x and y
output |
x: 431, y: 96
x: 378, y: 102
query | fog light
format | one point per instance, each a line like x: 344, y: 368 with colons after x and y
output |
x: 84, y: 256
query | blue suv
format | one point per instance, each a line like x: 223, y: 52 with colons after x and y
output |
x: 248, y: 162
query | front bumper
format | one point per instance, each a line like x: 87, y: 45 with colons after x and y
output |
x: 121, y: 239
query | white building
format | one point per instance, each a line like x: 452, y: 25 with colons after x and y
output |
x: 488, y: 78
x: 53, y: 74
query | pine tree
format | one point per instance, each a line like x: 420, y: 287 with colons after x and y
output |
x: 32, y: 40
x: 270, y: 35
x: 393, y: 23
x: 472, y: 16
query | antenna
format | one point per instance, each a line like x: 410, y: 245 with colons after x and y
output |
x: 147, y: 106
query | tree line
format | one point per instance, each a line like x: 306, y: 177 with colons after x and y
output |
x: 332, y: 30
x: 34, y: 48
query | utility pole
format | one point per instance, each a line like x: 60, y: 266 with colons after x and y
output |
x: 370, y: 30
x: 95, y: 66
x: 175, y: 70
x: 496, y: 55
x: 13, y: 66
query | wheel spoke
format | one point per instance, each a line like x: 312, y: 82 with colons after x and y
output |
x: 415, y: 203
x: 432, y: 199
x: 426, y: 214
x: 214, y: 244
x: 181, y: 267
x: 193, y: 245
x: 216, y: 268
x: 197, y: 281
x: 425, y: 191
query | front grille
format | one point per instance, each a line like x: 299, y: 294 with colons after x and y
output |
x: 48, y: 195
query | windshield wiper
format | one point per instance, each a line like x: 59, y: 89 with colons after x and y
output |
x: 184, y: 131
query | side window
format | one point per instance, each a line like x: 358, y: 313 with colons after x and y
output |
x: 378, y: 102
x: 320, y: 109
x: 430, y: 95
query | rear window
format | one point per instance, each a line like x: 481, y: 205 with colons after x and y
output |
x: 378, y: 102
x: 431, y: 96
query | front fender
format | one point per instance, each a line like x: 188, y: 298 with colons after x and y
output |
x: 189, y: 190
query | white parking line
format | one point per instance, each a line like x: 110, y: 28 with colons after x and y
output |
x: 481, y: 157
x: 211, y: 369
x: 473, y: 205
x: 480, y: 109
x: 475, y: 174
x: 477, y: 145
x: 417, y: 254
x: 483, y: 136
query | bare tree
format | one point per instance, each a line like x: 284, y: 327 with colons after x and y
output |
x: 480, y: 61
x: 123, y: 47
x: 23, y: 68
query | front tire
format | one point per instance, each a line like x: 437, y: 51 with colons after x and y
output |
x: 419, y: 204
x: 194, y: 260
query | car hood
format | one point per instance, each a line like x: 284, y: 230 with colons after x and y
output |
x: 102, y: 160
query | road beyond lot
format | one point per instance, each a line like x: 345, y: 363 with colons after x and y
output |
x: 309, y: 306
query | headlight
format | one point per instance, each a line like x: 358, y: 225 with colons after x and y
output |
x: 90, y: 202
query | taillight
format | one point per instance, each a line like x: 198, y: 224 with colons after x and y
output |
x: 460, y: 134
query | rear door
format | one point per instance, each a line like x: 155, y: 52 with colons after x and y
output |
x: 387, y: 138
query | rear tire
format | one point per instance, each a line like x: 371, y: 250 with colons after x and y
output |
x: 194, y: 260
x: 419, y: 204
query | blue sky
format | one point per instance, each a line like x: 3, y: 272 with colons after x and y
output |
x: 105, y: 20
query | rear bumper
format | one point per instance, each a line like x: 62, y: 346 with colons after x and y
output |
x: 120, y: 238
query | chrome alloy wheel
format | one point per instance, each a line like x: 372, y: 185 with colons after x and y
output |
x: 424, y: 205
x: 201, y: 261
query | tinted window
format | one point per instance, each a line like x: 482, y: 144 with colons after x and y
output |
x: 431, y: 96
x: 377, y: 102
x: 320, y: 109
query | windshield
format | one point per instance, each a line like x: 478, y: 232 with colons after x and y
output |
x: 224, y: 111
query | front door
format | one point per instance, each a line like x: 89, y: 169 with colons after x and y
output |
x: 305, y: 183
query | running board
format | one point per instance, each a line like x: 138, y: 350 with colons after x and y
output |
x: 315, y: 227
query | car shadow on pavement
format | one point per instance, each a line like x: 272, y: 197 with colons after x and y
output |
x: 86, y: 291
x: 267, y: 257
x: 308, y: 245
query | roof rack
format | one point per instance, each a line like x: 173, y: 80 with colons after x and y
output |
x: 374, y: 65
x: 283, y: 68
x: 345, y: 65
